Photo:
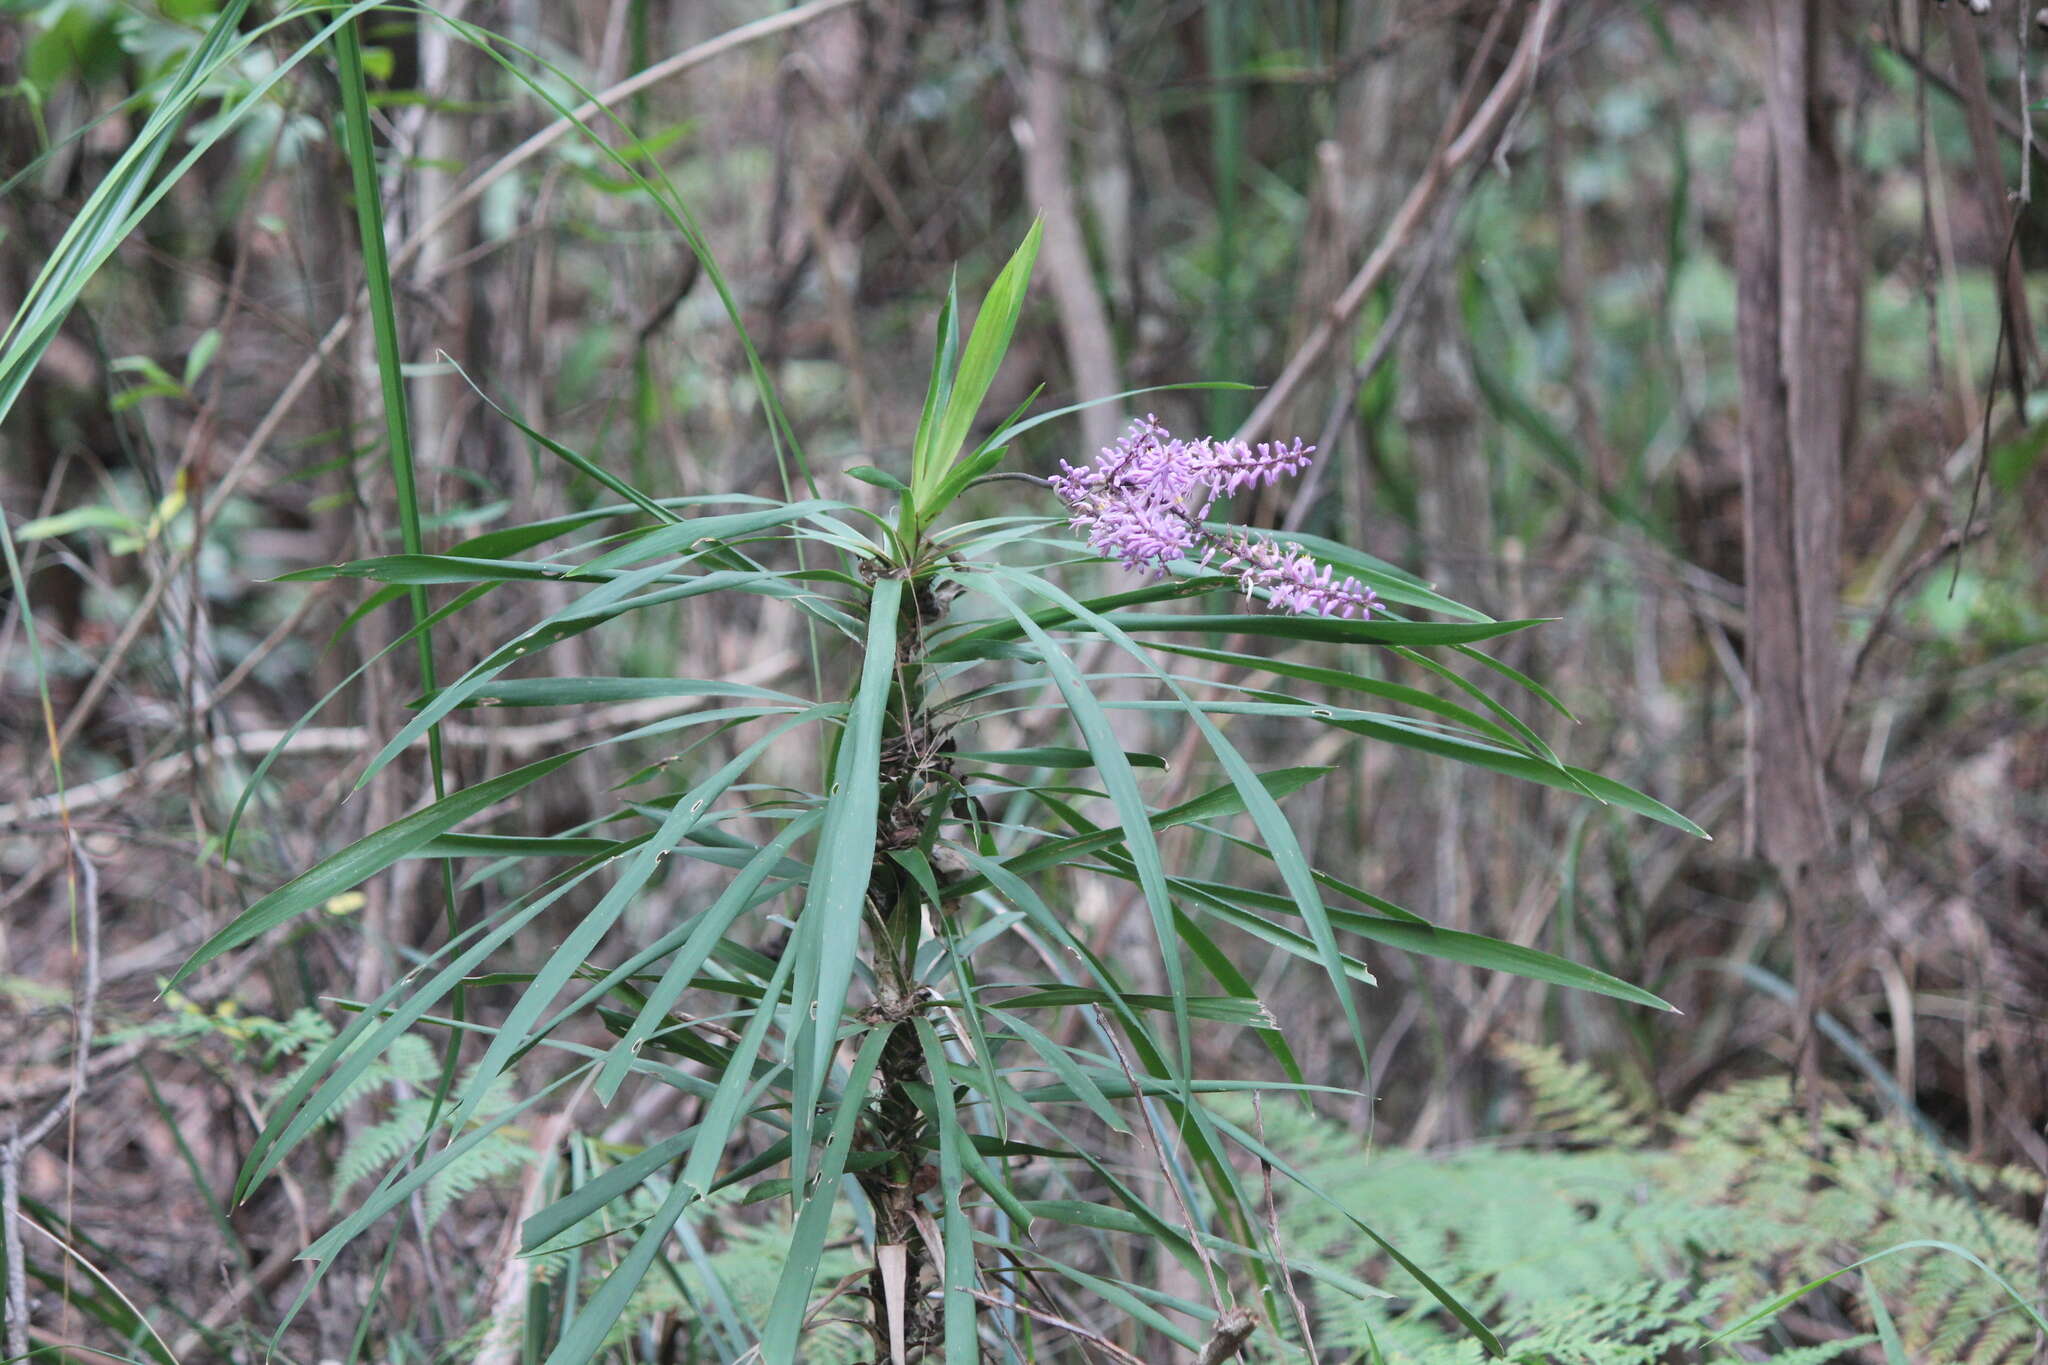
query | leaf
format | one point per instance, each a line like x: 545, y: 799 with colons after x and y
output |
x: 1274, y: 829
x: 574, y: 950
x: 958, y: 1281
x: 600, y: 1190
x: 1225, y: 1009
x: 780, y: 1337
x: 1048, y: 756
x: 993, y: 326
x: 555, y: 691
x: 1354, y: 682
x: 94, y: 517
x: 1411, y: 734
x: 1421, y: 1277
x: 880, y: 478
x: 201, y: 355
x: 1390, y: 581
x: 1122, y: 784
x: 700, y: 535
x: 736, y: 1087
x: 1792, y: 1296
x: 827, y: 939
x: 1330, y: 629
x: 696, y: 950
x: 1235, y: 903
x: 362, y: 860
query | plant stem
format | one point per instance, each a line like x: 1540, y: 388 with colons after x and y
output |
x: 912, y: 755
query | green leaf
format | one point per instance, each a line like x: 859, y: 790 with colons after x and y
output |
x: 1792, y: 1296
x: 993, y: 327
x: 1390, y: 581
x: 1436, y: 1291
x: 593, y: 609
x: 1330, y: 629
x: 959, y: 1278
x: 552, y: 691
x: 95, y: 517
x: 1122, y: 784
x: 574, y: 950
x: 696, y: 950
x: 1062, y: 1065
x: 1274, y: 829
x: 1346, y: 681
x: 701, y: 535
x: 600, y: 1190
x: 1225, y: 1009
x: 1050, y: 756
x: 362, y: 860
x: 1237, y: 905
x: 1412, y: 735
x: 737, y: 1086
x: 880, y: 478
x: 827, y: 940
x: 781, y: 1337
x: 585, y: 1335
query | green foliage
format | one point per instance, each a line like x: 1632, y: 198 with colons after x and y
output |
x: 408, y: 1069
x: 1635, y: 1239
x: 373, y: 1149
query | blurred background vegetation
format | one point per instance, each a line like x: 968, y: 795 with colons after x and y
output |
x: 1539, y: 403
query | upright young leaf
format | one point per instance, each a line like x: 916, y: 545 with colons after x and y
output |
x: 993, y: 327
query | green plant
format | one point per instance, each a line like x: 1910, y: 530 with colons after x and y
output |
x: 893, y: 1045
x: 1639, y: 1239
x: 913, y: 876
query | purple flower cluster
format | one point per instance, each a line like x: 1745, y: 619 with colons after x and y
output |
x: 1144, y: 501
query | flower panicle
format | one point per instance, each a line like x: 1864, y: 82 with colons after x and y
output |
x: 1143, y: 503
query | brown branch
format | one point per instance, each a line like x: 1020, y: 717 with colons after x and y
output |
x: 19, y: 1141
x: 1041, y: 135
x: 1476, y: 134
x: 1232, y: 1330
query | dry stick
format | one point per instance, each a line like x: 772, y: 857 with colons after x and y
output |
x: 1492, y: 112
x: 1308, y: 1339
x: 2000, y: 119
x: 632, y: 85
x: 1075, y: 1329
x: 86, y: 893
x: 403, y: 256
x: 1346, y: 399
x: 1979, y: 120
x: 337, y: 739
x: 2026, y: 108
x: 2007, y: 344
x: 1187, y: 1216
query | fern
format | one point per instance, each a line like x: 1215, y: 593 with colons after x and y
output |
x: 376, y: 1147
x: 1638, y: 1240
x: 409, y: 1064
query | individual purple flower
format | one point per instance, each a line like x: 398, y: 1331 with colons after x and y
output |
x: 1144, y: 502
